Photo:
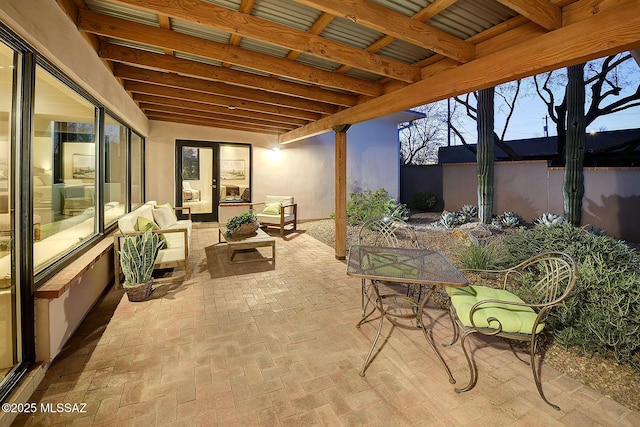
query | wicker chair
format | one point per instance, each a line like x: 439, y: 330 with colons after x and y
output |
x: 392, y: 233
x: 545, y: 281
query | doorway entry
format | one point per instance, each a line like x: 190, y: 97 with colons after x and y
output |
x: 197, y: 179
x: 210, y: 173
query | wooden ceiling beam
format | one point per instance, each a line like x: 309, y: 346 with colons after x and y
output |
x: 164, y: 117
x: 397, y: 25
x: 321, y: 23
x: 433, y: 9
x: 541, y: 12
x: 216, y: 109
x: 428, y: 12
x: 205, y: 98
x: 244, y: 25
x: 122, y: 29
x: 127, y: 72
x: 204, y: 115
x: 609, y: 30
x: 195, y: 69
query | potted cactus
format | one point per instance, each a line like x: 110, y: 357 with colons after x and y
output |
x: 137, y: 255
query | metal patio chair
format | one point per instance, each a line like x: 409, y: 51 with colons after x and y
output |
x: 545, y: 282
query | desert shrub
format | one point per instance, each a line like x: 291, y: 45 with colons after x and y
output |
x: 424, y: 202
x: 480, y: 257
x: 603, y: 312
x: 368, y: 205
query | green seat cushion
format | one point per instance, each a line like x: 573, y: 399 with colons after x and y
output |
x: 513, y: 318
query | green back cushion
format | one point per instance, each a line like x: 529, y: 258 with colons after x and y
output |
x: 272, y: 208
x: 513, y: 318
x: 143, y: 224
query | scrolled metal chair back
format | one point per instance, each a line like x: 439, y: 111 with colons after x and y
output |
x: 387, y: 232
x: 547, y: 278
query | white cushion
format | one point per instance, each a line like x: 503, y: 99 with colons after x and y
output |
x: 164, y: 217
x: 273, y: 219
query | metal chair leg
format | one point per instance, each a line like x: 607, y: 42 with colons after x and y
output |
x: 536, y: 374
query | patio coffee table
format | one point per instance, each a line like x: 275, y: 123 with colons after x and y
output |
x: 259, y: 239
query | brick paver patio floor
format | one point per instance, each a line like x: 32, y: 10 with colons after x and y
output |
x: 257, y: 345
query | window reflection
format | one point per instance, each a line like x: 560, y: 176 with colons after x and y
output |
x: 115, y: 190
x: 136, y: 171
x: 64, y: 169
x: 9, y: 288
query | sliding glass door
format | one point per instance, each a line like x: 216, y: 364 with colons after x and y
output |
x: 10, y: 328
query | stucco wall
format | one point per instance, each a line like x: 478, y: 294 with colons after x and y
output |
x: 304, y: 169
x: 611, y: 201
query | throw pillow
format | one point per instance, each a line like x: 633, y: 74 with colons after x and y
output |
x: 170, y: 207
x: 164, y: 217
x: 143, y: 224
x: 272, y: 208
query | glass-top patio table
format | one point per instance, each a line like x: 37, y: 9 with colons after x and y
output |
x: 402, y: 265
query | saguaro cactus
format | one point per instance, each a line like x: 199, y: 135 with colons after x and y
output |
x: 485, y: 155
x: 573, y: 186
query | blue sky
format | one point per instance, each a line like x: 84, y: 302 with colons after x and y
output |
x: 529, y: 116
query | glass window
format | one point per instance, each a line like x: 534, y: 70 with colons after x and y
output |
x: 64, y: 169
x: 115, y: 187
x: 137, y: 178
x: 235, y: 172
x: 9, y: 292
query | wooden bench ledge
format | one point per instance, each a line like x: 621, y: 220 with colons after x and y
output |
x: 72, y: 274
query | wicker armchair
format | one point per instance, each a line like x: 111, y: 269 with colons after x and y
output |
x: 545, y: 280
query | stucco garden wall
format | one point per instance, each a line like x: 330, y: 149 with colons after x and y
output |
x: 611, y: 201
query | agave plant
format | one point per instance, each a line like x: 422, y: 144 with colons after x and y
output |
x: 550, y: 219
x: 470, y: 211
x: 449, y: 219
x: 507, y: 220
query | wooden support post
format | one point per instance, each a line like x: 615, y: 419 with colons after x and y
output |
x: 341, y: 190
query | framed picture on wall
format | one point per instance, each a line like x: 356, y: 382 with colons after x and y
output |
x: 190, y: 163
x: 83, y: 166
x: 232, y: 169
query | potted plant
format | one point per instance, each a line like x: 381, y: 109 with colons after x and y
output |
x: 243, y: 224
x: 137, y: 256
